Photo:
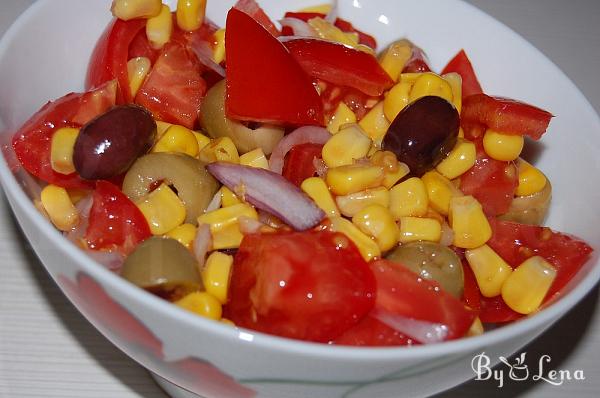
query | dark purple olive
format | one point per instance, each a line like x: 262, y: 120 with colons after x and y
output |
x: 423, y: 133
x: 109, y: 144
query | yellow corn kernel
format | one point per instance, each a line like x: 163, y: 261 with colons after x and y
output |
x: 410, y: 77
x: 132, y: 9
x: 219, y: 46
x: 177, y: 139
x: 228, y: 198
x: 351, y: 204
x: 215, y: 275
x: 229, y: 237
x: 409, y: 198
x: 328, y: 31
x: 476, y: 328
x: 163, y: 210
x: 416, y: 228
x: 321, y: 9
x: 227, y: 322
x: 525, y: 289
x: 395, y: 58
x: 440, y: 191
x: 184, y: 234
x: 190, y: 14
x: 460, y: 159
x: 57, y: 204
x: 201, y: 139
x: 221, y: 149
x: 455, y: 82
x: 76, y: 194
x: 353, y: 178
x: 203, y: 304
x: 430, y: 84
x: 469, y: 223
x: 161, y: 128
x: 531, y: 179
x: 490, y: 270
x: 317, y: 189
x: 224, y: 225
x: 255, y: 158
x: 393, y: 169
x: 396, y: 99
x: 160, y: 28
x: 61, y: 150
x: 377, y: 222
x: 392, y: 177
x: 137, y: 70
x: 461, y: 133
x: 347, y: 145
x: 375, y: 123
x: 505, y: 147
x: 343, y: 115
x: 366, y: 246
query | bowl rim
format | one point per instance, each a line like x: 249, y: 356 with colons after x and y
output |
x: 545, y: 317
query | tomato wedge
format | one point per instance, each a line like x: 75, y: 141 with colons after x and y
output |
x: 311, y: 285
x: 252, y: 8
x: 505, y: 115
x: 403, y: 293
x: 115, y: 221
x: 174, y: 88
x: 492, y: 182
x: 462, y: 65
x: 341, y: 65
x: 33, y: 140
x: 516, y: 242
x: 495, y: 310
x: 299, y: 162
x: 340, y: 23
x: 372, y: 332
x: 110, y: 56
x: 264, y: 82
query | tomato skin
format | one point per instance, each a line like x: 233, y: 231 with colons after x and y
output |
x: 174, y: 88
x: 340, y: 65
x: 299, y: 162
x: 471, y: 294
x: 110, y: 56
x: 373, y: 333
x: 33, y: 140
x: 495, y: 310
x: 402, y: 292
x: 505, y: 115
x: 492, y: 182
x: 311, y: 285
x: 258, y: 63
x: 252, y: 8
x: 115, y: 222
x: 462, y: 65
x: 140, y: 47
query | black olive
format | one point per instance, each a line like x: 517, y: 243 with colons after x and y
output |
x: 423, y: 133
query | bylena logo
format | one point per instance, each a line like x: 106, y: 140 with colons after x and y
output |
x: 520, y: 371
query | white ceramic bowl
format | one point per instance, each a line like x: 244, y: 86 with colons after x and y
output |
x: 44, y: 55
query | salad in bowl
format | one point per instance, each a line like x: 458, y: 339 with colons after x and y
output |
x: 296, y: 178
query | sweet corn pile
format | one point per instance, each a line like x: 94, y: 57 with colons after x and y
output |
x: 365, y: 191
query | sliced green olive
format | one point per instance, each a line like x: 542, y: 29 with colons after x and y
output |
x: 214, y: 121
x: 187, y: 175
x: 531, y: 209
x: 164, y: 267
x: 432, y: 261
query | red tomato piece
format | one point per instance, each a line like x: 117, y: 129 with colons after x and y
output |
x: 110, y: 56
x: 462, y: 65
x: 299, y: 164
x: 340, y: 23
x: 115, y: 222
x: 505, y: 115
x: 33, y: 140
x: 264, y: 82
x: 140, y: 47
x: 252, y: 8
x: 492, y: 182
x: 358, y: 102
x: 516, y: 242
x: 417, y: 62
x: 402, y: 292
x: 340, y: 65
x: 372, y: 332
x: 174, y: 88
x: 471, y: 293
x: 495, y: 310
x: 311, y: 285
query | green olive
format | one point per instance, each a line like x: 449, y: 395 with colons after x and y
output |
x: 193, y: 184
x: 530, y: 209
x: 164, y: 267
x: 216, y: 124
x: 432, y: 261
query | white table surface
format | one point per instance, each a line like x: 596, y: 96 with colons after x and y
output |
x: 47, y: 349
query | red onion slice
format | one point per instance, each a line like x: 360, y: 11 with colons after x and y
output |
x: 250, y: 225
x: 422, y: 331
x: 298, y: 27
x: 84, y: 206
x: 332, y: 15
x: 202, y: 244
x: 270, y: 192
x: 205, y: 55
x: 215, y: 202
x: 302, y: 135
x: 112, y: 260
